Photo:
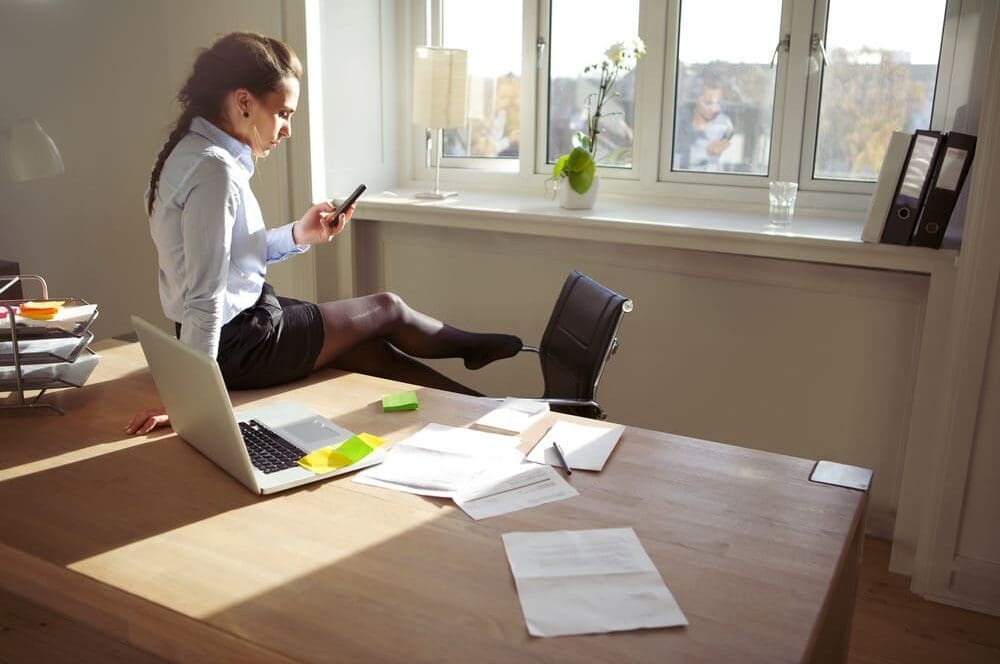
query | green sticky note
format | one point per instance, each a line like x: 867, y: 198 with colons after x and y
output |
x: 354, y: 449
x: 402, y: 401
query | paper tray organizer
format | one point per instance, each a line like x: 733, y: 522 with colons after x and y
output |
x: 42, y: 355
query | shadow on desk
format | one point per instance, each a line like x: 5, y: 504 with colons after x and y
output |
x: 95, y: 414
x: 84, y: 508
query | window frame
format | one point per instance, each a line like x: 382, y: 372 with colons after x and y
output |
x: 794, y: 123
x: 810, y: 130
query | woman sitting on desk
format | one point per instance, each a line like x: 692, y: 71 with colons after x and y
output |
x: 214, y: 248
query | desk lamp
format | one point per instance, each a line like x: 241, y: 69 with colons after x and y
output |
x: 439, y: 98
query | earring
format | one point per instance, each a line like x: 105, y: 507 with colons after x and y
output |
x: 246, y: 114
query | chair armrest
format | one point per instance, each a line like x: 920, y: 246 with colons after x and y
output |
x: 530, y: 349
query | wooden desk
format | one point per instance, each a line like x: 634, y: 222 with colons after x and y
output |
x: 146, y: 540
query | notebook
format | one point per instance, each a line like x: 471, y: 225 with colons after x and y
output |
x: 195, y: 397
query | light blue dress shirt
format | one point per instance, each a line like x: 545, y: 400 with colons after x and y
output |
x: 210, y: 235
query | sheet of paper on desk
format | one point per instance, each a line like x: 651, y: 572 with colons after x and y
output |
x: 513, y: 415
x: 513, y: 487
x: 440, y: 460
x: 586, y: 446
x: 588, y: 582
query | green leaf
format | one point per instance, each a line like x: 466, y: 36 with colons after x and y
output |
x: 581, y: 180
x: 579, y: 159
x: 559, y: 166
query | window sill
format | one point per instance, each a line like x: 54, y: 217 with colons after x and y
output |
x: 812, y: 237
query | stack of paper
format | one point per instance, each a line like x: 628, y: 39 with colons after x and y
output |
x: 440, y: 460
x: 482, y: 472
x: 513, y: 415
x: 65, y: 318
x: 33, y: 376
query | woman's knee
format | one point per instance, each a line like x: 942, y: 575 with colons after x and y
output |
x: 393, y: 305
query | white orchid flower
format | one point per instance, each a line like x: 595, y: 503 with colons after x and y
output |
x: 616, y: 53
x: 623, y: 55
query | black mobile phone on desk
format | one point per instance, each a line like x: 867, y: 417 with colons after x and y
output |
x: 348, y: 202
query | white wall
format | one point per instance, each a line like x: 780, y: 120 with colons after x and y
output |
x: 101, y: 77
x: 359, y: 97
x: 95, y: 75
x: 978, y: 550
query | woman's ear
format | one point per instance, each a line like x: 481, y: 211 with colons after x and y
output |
x: 242, y: 97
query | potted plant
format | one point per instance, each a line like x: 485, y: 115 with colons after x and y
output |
x: 575, y: 173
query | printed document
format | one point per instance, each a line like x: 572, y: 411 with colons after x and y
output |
x: 440, y: 460
x: 587, y: 582
x: 513, y: 487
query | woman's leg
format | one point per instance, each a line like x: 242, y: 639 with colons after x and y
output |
x: 379, y: 358
x: 349, y: 323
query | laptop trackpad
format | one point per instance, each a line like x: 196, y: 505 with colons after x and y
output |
x: 309, y: 434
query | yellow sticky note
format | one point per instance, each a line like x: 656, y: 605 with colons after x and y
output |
x: 373, y: 441
x: 335, y: 457
x: 324, y: 460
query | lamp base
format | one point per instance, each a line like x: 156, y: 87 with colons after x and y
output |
x: 436, y: 195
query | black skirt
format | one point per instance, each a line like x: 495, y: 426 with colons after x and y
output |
x: 275, y: 341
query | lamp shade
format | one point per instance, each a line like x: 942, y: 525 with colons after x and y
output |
x: 439, y: 87
x: 31, y: 153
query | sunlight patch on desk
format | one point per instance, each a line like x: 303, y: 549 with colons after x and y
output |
x: 76, y: 456
x: 249, y: 552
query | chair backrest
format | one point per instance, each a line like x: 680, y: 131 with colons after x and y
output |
x: 580, y: 337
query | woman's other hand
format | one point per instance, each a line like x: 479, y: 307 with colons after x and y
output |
x: 147, y: 420
x: 319, y: 226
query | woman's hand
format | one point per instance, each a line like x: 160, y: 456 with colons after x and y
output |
x: 147, y: 420
x: 318, y: 226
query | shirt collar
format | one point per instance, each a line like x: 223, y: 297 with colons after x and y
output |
x: 240, y: 151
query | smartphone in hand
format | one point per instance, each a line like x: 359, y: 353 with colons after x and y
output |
x: 348, y: 202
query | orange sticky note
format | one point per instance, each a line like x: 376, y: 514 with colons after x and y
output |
x: 44, y: 305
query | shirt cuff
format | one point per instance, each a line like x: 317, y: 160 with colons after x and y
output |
x: 281, y: 243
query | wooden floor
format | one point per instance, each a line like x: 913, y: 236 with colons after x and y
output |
x: 891, y: 626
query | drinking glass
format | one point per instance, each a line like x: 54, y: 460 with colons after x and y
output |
x: 782, y: 198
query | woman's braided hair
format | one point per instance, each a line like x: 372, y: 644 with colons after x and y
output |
x: 237, y: 60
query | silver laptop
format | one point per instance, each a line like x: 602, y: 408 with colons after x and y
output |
x: 242, y: 443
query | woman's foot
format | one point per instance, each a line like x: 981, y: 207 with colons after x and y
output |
x: 493, y: 347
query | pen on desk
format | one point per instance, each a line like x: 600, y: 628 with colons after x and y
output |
x: 562, y: 458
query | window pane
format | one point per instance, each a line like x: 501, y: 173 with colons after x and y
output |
x: 580, y: 33
x: 725, y: 85
x: 883, y: 66
x: 491, y: 33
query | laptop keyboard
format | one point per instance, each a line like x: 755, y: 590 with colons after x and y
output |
x: 269, y: 452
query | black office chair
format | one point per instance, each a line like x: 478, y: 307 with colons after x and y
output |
x: 581, y: 336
